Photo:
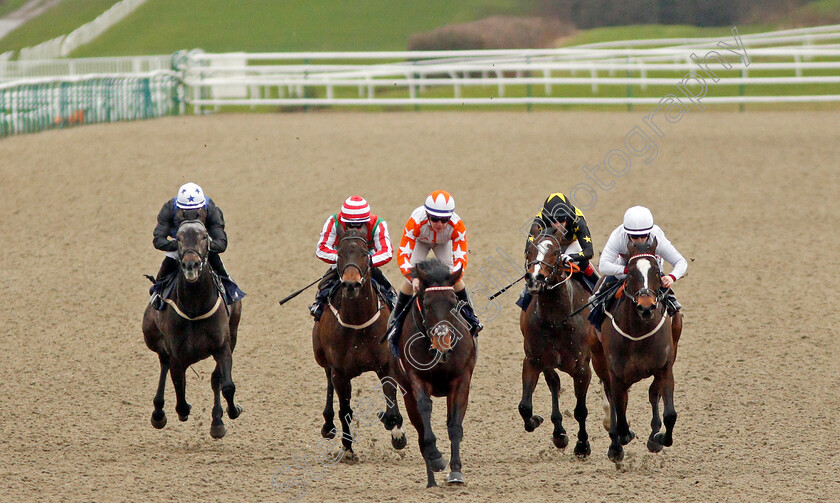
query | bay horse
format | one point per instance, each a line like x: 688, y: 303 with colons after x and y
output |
x: 437, y: 358
x: 346, y: 342
x: 193, y: 326
x: 638, y: 340
x: 553, y: 340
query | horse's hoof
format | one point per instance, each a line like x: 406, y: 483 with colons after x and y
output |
x: 661, y: 439
x: 455, y: 478
x: 626, y: 439
x: 431, y: 483
x: 438, y: 465
x: 582, y: 449
x: 233, y: 414
x: 561, y: 442
x: 616, y: 454
x: 217, y: 431
x: 534, y: 423
x: 349, y: 457
x: 389, y: 421
x: 653, y: 445
x: 160, y: 422
x: 398, y: 440
x: 185, y: 415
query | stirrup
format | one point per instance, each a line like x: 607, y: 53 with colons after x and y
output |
x: 157, y: 302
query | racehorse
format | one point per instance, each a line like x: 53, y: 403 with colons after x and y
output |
x: 437, y: 358
x: 193, y: 326
x: 346, y: 342
x: 553, y: 339
x: 638, y: 340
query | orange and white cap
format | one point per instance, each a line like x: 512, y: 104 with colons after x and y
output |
x: 355, y: 209
x: 440, y: 204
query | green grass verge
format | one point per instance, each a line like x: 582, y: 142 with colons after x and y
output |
x: 8, y: 6
x: 164, y: 26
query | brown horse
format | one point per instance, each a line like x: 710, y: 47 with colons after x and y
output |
x: 638, y: 340
x: 553, y: 340
x: 437, y: 358
x: 346, y: 342
x: 193, y: 326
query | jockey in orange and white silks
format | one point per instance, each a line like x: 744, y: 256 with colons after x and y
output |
x: 433, y: 226
x: 354, y: 213
x: 638, y: 227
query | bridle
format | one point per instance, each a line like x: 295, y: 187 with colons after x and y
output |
x: 645, y: 292
x: 438, y: 328
x: 571, y: 268
x: 364, y: 272
x: 203, y: 258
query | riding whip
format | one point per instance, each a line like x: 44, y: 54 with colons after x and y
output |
x: 295, y: 294
x: 503, y: 290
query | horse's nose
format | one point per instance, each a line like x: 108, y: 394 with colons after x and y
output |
x: 353, y: 287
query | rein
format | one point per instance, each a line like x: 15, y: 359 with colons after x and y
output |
x: 635, y: 297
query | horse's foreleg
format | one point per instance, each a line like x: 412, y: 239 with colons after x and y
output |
x: 456, y: 405
x: 328, y: 430
x: 217, y: 426
x: 159, y: 416
x: 599, y: 364
x: 620, y: 433
x: 391, y: 418
x: 667, y: 391
x: 582, y: 378
x: 417, y: 422
x: 559, y: 437
x: 428, y: 442
x: 676, y: 330
x: 655, y: 422
x: 530, y: 375
x: 224, y: 361
x: 345, y: 414
x: 179, y: 382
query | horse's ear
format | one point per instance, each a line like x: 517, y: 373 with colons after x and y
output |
x: 653, y: 246
x: 536, y: 228
x: 454, y: 276
x: 631, y: 249
x: 420, y: 274
x: 339, y: 230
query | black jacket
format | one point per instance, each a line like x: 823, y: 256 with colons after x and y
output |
x: 169, y: 218
x: 557, y: 208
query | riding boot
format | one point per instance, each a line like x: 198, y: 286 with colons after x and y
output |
x: 395, y: 323
x: 468, y: 312
x: 325, y: 288
x: 385, y: 287
x: 599, y: 302
x: 524, y: 298
x: 168, y: 268
x: 671, y: 302
x: 590, y: 277
x: 228, y: 286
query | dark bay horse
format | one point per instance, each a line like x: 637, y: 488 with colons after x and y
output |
x: 346, y: 342
x: 553, y: 340
x: 437, y: 358
x: 193, y: 326
x: 638, y: 340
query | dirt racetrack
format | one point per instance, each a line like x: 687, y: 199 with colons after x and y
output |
x: 750, y: 199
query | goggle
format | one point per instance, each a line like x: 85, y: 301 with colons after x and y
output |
x: 354, y: 225
x: 439, y: 219
x: 642, y: 237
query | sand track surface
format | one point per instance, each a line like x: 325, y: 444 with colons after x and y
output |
x: 751, y: 200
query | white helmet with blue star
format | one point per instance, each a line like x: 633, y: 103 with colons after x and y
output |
x: 190, y: 197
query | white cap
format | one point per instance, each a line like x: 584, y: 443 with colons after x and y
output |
x: 638, y: 220
x: 440, y: 204
x: 190, y: 197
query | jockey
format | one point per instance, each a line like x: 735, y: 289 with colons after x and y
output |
x: 433, y: 226
x: 575, y: 239
x: 638, y: 227
x: 354, y: 214
x: 190, y: 204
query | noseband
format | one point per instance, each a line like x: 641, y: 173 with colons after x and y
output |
x: 367, y: 264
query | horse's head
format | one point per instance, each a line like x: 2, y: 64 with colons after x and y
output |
x: 439, y: 304
x: 193, y: 248
x: 544, y: 268
x: 353, y: 260
x: 643, y: 273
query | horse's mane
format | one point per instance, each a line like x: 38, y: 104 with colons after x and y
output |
x: 435, y: 272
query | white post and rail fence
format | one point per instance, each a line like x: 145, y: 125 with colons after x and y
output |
x: 792, y: 66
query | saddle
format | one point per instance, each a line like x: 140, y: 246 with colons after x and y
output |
x: 164, y: 289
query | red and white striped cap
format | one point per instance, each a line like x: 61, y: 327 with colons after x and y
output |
x: 355, y: 209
